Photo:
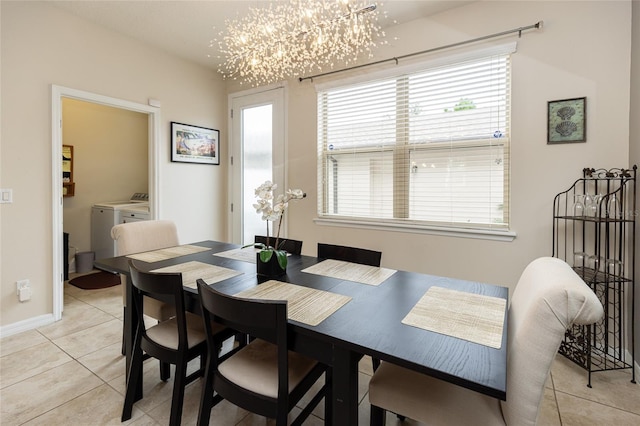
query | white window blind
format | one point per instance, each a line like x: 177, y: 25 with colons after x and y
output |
x: 429, y: 147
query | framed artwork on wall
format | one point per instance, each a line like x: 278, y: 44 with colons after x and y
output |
x: 567, y: 121
x: 194, y: 144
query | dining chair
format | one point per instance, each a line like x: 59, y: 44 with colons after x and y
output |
x: 286, y: 244
x: 175, y: 341
x: 349, y: 254
x: 138, y: 237
x: 354, y: 255
x: 263, y: 377
x: 547, y: 300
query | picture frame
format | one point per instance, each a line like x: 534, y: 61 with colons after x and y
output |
x: 567, y: 121
x: 194, y: 144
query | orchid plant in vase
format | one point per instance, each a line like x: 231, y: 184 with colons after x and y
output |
x: 272, y: 210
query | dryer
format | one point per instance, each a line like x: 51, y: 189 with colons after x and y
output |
x: 104, y: 216
x: 134, y: 213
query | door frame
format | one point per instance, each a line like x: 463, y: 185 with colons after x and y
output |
x: 230, y: 126
x: 57, y: 94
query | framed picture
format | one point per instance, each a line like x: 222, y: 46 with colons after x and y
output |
x: 194, y: 144
x: 567, y: 121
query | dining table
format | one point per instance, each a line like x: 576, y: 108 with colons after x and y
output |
x: 452, y: 329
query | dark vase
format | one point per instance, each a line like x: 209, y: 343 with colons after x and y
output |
x: 269, y: 269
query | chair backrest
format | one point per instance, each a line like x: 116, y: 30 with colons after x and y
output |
x: 290, y: 246
x: 261, y: 319
x: 144, y: 235
x: 349, y: 254
x: 166, y: 287
x: 549, y: 298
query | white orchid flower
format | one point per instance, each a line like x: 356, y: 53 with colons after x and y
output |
x: 296, y: 194
x: 272, y: 209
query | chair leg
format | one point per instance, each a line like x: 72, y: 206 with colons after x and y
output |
x: 124, y: 349
x: 375, y: 362
x: 241, y: 339
x: 178, y: 393
x: 378, y: 416
x: 206, y: 398
x: 203, y: 362
x: 282, y: 418
x: 328, y: 396
x: 135, y: 372
x: 165, y: 371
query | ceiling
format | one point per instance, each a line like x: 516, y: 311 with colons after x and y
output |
x: 185, y: 28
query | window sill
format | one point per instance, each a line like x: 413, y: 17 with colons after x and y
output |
x: 484, y: 234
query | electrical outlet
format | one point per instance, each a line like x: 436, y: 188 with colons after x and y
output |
x: 23, y: 289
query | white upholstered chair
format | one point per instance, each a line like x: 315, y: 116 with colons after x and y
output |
x: 138, y: 237
x: 548, y: 299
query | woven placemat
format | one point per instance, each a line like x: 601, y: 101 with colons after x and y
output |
x: 472, y: 317
x: 305, y: 305
x: 191, y: 271
x: 167, y: 253
x: 356, y: 272
x: 247, y: 254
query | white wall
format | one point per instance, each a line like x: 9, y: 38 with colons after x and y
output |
x: 42, y: 45
x: 583, y: 50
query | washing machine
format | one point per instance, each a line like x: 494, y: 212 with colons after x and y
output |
x: 107, y: 214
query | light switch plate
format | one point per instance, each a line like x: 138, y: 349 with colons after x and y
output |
x: 6, y: 196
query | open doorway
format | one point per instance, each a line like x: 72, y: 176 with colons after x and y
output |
x: 60, y: 96
x: 109, y: 148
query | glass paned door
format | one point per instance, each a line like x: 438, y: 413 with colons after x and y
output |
x: 258, y: 155
x: 257, y: 158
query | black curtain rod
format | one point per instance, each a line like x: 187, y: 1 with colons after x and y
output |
x: 537, y: 25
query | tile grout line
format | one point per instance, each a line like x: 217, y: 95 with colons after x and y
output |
x: 555, y: 397
x: 65, y: 402
x: 599, y: 403
x: 78, y: 362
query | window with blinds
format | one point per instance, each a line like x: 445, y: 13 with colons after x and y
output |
x: 429, y: 147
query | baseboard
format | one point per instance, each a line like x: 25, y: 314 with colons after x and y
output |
x: 25, y: 325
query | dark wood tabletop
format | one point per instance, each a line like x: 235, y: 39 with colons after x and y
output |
x: 369, y: 324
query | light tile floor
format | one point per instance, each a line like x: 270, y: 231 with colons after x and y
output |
x: 72, y: 373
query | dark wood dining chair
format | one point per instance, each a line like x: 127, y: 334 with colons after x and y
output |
x: 290, y: 246
x: 263, y: 377
x: 354, y: 255
x: 548, y: 299
x: 175, y: 341
x: 349, y: 254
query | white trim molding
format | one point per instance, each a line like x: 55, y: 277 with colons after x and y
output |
x: 26, y: 325
x: 484, y: 234
x: 57, y: 94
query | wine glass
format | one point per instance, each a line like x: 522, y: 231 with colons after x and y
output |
x: 578, y: 205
